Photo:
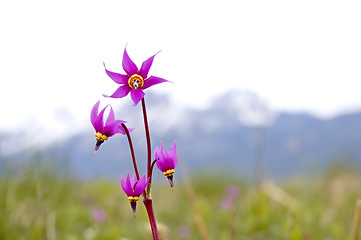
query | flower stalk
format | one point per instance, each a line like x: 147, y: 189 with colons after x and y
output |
x: 149, y: 147
x: 147, y: 199
x: 153, y: 224
x: 131, y: 150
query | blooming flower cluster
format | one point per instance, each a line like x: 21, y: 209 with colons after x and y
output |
x: 134, y: 82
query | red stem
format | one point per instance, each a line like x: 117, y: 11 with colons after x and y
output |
x: 153, y: 224
x: 147, y: 200
x: 131, y: 151
x: 149, y: 153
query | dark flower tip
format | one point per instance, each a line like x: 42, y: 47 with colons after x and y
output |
x: 97, y: 146
x: 170, y: 179
x: 133, y: 205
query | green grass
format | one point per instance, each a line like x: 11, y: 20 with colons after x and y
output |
x: 35, y: 203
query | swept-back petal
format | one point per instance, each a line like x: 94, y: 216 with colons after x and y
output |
x: 94, y: 113
x: 153, y: 81
x: 162, y: 162
x: 122, y: 91
x: 121, y: 130
x: 125, y: 186
x: 111, y: 116
x: 141, y: 185
x: 156, y: 153
x: 136, y: 95
x: 111, y: 128
x: 117, y: 77
x: 146, y: 66
x: 129, y: 186
x: 173, y: 154
x: 99, y: 123
x: 128, y: 65
x: 133, y: 181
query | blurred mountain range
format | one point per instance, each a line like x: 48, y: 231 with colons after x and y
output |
x: 237, y: 133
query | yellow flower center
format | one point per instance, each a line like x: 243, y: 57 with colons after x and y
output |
x: 101, y: 137
x: 133, y: 199
x: 135, y: 81
x: 169, y: 173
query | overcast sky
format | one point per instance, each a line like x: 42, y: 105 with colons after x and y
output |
x: 299, y: 55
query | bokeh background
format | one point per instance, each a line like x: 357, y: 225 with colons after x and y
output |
x: 264, y: 102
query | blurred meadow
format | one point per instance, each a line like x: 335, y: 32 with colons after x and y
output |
x: 264, y: 104
x: 38, y: 202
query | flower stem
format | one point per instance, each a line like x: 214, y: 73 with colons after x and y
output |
x: 147, y: 200
x: 131, y: 150
x: 149, y: 150
x: 149, y: 206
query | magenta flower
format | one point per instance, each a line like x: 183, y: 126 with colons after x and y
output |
x: 167, y: 161
x: 135, y: 81
x: 111, y: 126
x: 134, y: 188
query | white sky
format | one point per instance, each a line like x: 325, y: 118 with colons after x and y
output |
x: 299, y: 55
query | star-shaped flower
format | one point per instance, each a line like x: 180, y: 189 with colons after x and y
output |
x: 135, y: 81
x: 167, y: 161
x: 134, y: 188
x: 111, y: 126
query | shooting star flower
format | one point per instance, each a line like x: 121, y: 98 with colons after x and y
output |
x: 135, y: 81
x: 104, y: 131
x: 134, y: 188
x: 167, y: 160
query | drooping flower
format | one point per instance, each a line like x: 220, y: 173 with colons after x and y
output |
x: 104, y: 131
x: 167, y: 160
x: 134, y: 188
x: 135, y: 81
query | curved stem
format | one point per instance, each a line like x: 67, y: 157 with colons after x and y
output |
x: 149, y: 150
x: 131, y: 150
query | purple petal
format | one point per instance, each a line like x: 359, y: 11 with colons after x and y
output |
x: 129, y: 186
x: 116, y: 77
x: 94, y: 113
x: 134, y: 181
x: 122, y: 91
x: 124, y: 186
x: 153, y: 81
x: 146, y: 66
x: 111, y: 128
x: 156, y: 153
x: 161, y: 162
x: 99, y: 123
x: 141, y: 185
x: 111, y: 116
x: 121, y: 130
x: 128, y: 65
x: 136, y: 95
x: 173, y: 154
